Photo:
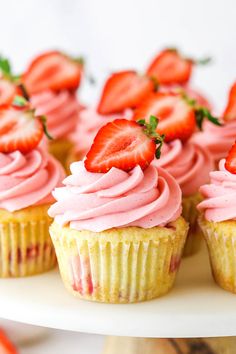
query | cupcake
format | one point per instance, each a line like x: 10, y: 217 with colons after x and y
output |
x: 28, y: 174
x: 218, y: 221
x: 219, y: 139
x: 51, y: 81
x: 118, y: 231
x: 122, y: 91
x: 188, y: 163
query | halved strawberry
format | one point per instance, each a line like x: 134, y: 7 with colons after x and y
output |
x: 124, y: 89
x: 176, y: 116
x: 6, y: 346
x: 124, y: 144
x: 170, y: 67
x: 230, y: 110
x: 230, y: 163
x: 53, y: 70
x: 7, y: 92
x: 19, y: 130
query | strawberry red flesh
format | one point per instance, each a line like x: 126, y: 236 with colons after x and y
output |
x: 230, y: 163
x: 230, y: 110
x: 125, y: 89
x: 6, y: 346
x: 19, y: 130
x: 170, y: 68
x: 54, y: 71
x: 7, y: 92
x: 176, y: 117
x: 121, y: 144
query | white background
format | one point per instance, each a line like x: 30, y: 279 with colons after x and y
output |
x: 115, y: 34
x: 121, y: 34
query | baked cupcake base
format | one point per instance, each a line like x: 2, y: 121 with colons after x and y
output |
x: 123, y: 265
x: 73, y: 156
x: 221, y: 241
x: 25, y: 244
x: 190, y: 214
x: 60, y: 149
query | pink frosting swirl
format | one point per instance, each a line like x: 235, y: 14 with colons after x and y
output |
x: 27, y: 180
x: 61, y: 110
x: 188, y: 163
x: 89, y: 124
x: 220, y: 195
x: 100, y: 201
x: 217, y: 139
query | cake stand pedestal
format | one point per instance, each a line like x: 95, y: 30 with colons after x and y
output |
x: 195, y: 308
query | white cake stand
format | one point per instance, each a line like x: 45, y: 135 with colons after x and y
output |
x: 196, y: 307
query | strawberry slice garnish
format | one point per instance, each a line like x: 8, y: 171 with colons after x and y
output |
x: 8, y: 86
x: 230, y: 162
x: 53, y: 70
x: 20, y: 129
x: 230, y: 110
x: 176, y: 116
x: 6, y: 346
x: 7, y: 92
x: 170, y: 67
x: 124, y: 144
x: 124, y: 89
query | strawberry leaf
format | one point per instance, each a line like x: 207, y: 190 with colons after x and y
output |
x: 20, y: 101
x: 43, y: 120
x: 153, y: 121
x: 203, y: 61
x: 5, y: 66
x: 150, y: 131
x: 200, y: 112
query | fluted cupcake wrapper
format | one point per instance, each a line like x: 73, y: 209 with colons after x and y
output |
x: 119, y: 265
x: 221, y: 241
x: 25, y: 246
x: 190, y: 213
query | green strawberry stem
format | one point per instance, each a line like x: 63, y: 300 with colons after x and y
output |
x: 150, y: 131
x: 201, y: 113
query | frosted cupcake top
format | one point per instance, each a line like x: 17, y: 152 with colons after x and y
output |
x: 101, y: 201
x: 60, y: 108
x: 219, y: 195
x: 89, y: 123
x: 27, y: 179
x: 188, y: 163
x: 217, y: 139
